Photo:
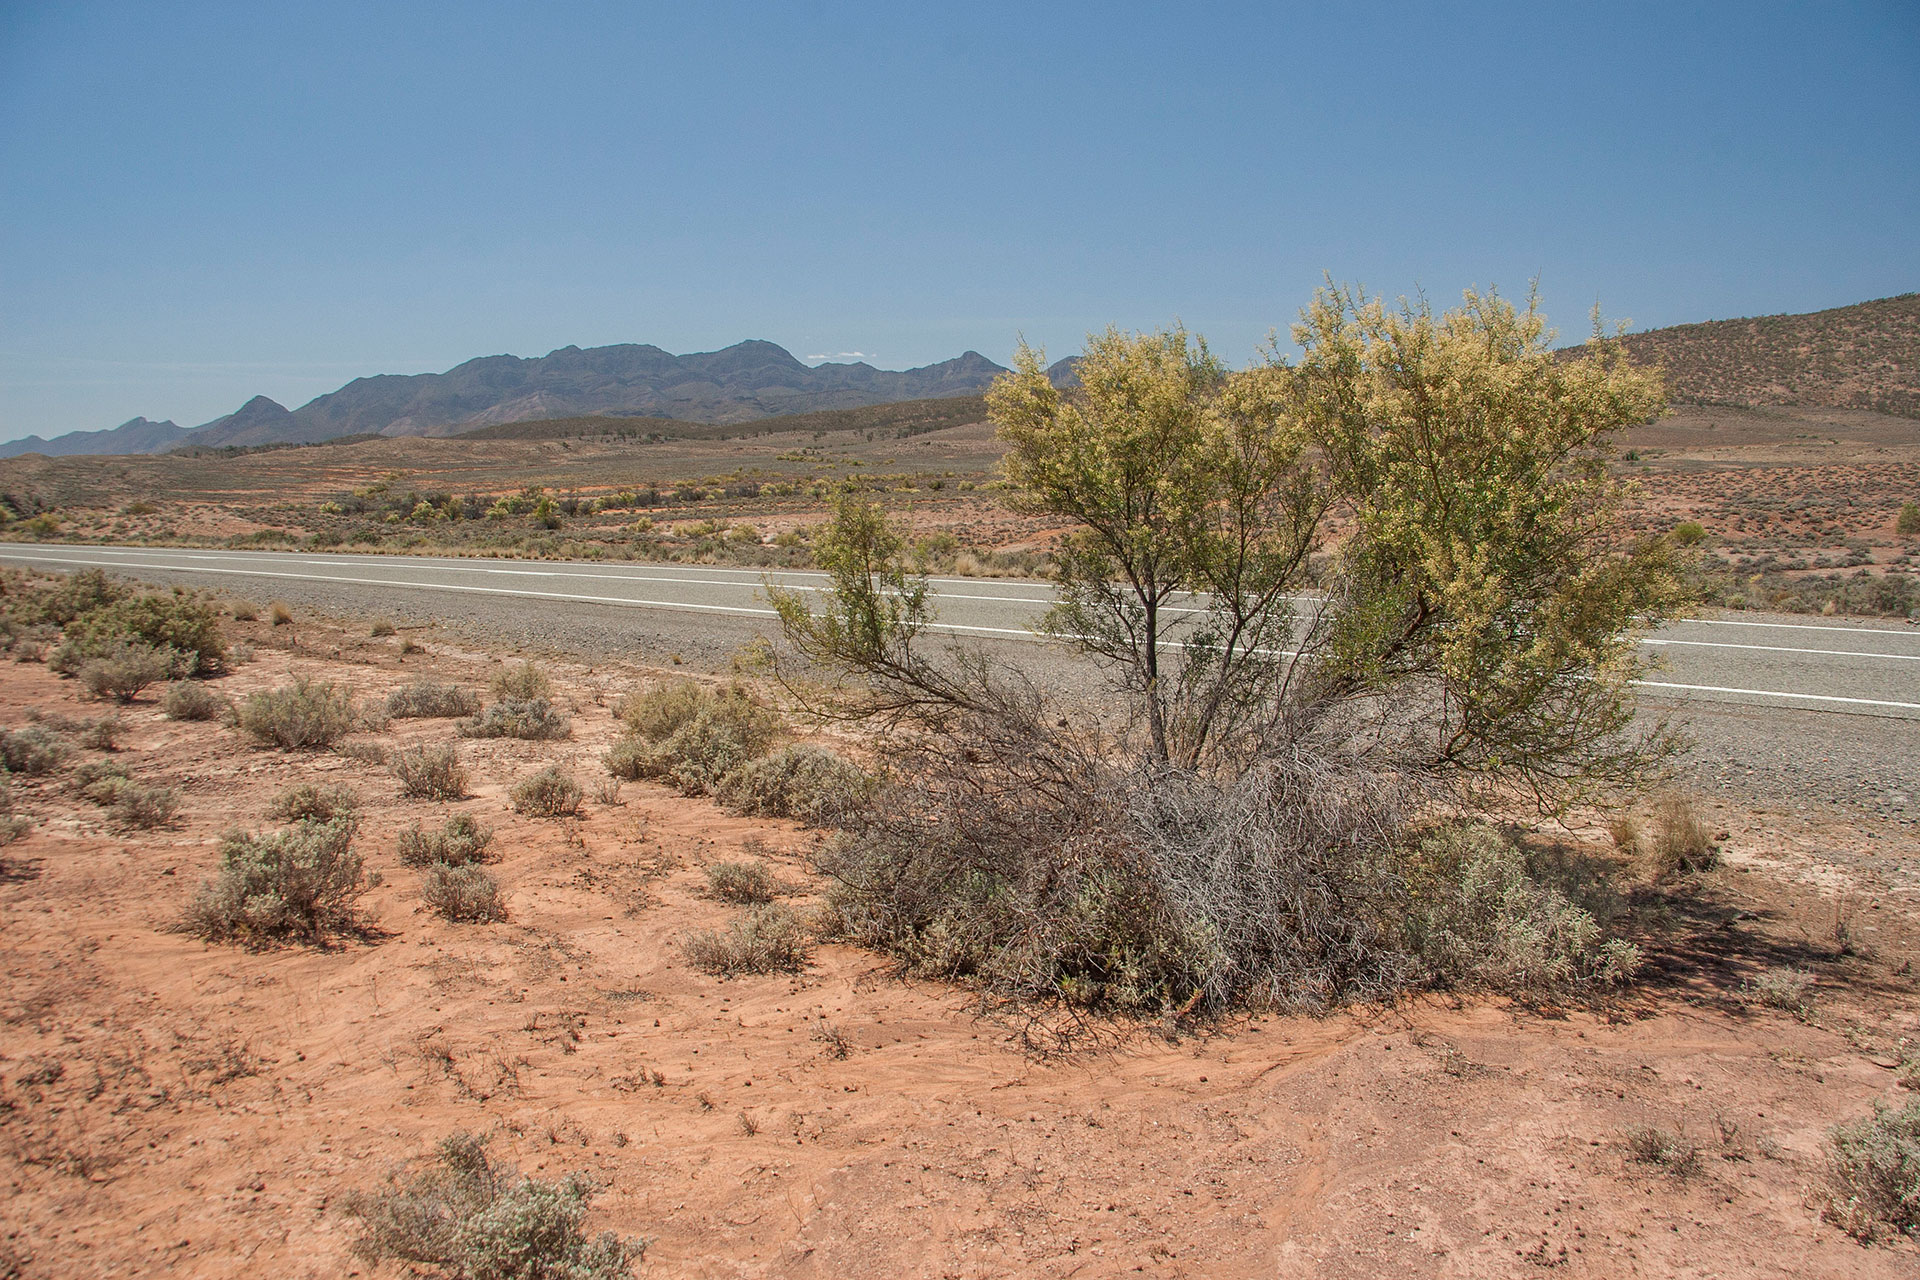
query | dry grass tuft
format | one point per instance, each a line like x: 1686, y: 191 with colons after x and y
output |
x: 430, y: 773
x: 766, y: 939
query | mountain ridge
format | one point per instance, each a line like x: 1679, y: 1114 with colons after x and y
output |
x: 1862, y: 356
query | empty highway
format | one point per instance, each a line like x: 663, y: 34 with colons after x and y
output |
x: 1792, y: 710
x: 1862, y: 668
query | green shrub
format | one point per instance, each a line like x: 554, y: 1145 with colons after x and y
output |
x: 97, y: 779
x: 460, y: 842
x: 307, y: 713
x: 477, y: 1221
x: 80, y: 593
x: 1040, y: 871
x: 692, y: 737
x: 424, y: 699
x: 765, y: 939
x: 522, y: 682
x: 510, y: 718
x: 1907, y: 522
x: 430, y: 773
x: 126, y: 668
x: 1478, y: 916
x: 316, y: 802
x: 809, y: 784
x: 300, y: 881
x: 743, y: 882
x: 30, y: 751
x: 463, y: 894
x: 629, y: 759
x: 187, y: 700
x: 178, y: 622
x: 138, y: 805
x: 654, y: 713
x: 550, y: 793
x: 1873, y: 1172
x: 102, y: 734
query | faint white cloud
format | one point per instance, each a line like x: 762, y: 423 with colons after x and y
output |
x: 843, y: 355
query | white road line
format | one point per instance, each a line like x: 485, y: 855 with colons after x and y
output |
x: 1774, y: 648
x: 630, y: 602
x: 1775, y: 693
x: 1802, y: 626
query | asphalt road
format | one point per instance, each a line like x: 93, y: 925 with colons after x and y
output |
x: 1785, y: 704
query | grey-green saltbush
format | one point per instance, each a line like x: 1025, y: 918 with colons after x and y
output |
x: 461, y: 841
x: 425, y: 699
x: 473, y: 1219
x: 190, y: 700
x: 306, y: 713
x: 430, y: 773
x: 806, y: 783
x: 463, y: 894
x: 301, y: 882
x: 550, y: 793
x: 535, y: 720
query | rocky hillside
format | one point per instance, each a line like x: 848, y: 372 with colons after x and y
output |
x: 1866, y: 356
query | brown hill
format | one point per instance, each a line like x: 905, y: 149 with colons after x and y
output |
x: 1866, y: 356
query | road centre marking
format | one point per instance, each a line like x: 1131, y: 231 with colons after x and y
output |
x: 1774, y: 648
x: 629, y: 602
x: 1773, y: 693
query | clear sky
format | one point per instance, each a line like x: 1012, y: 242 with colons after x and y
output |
x: 199, y: 203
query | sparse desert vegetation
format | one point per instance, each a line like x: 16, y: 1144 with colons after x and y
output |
x: 346, y: 954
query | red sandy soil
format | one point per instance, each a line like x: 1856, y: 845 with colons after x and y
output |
x: 174, y: 1107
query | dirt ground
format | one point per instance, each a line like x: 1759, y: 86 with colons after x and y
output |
x: 173, y: 1107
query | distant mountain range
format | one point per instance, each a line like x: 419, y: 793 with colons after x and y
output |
x: 744, y: 382
x: 1866, y: 356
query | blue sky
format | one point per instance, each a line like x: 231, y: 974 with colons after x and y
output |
x: 199, y: 203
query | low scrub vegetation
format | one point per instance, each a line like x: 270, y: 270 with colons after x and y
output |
x: 522, y: 682
x: 478, y: 1221
x: 316, y: 802
x: 1873, y: 1173
x: 430, y: 773
x: 745, y: 882
x: 426, y: 700
x: 123, y: 669
x: 764, y: 939
x: 31, y: 751
x: 306, y: 713
x: 1480, y: 913
x: 463, y: 894
x: 112, y: 624
x: 535, y: 719
x: 550, y: 793
x: 130, y: 805
x: 694, y: 737
x: 13, y: 825
x: 299, y: 882
x: 806, y: 783
x: 459, y: 842
x: 190, y: 700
